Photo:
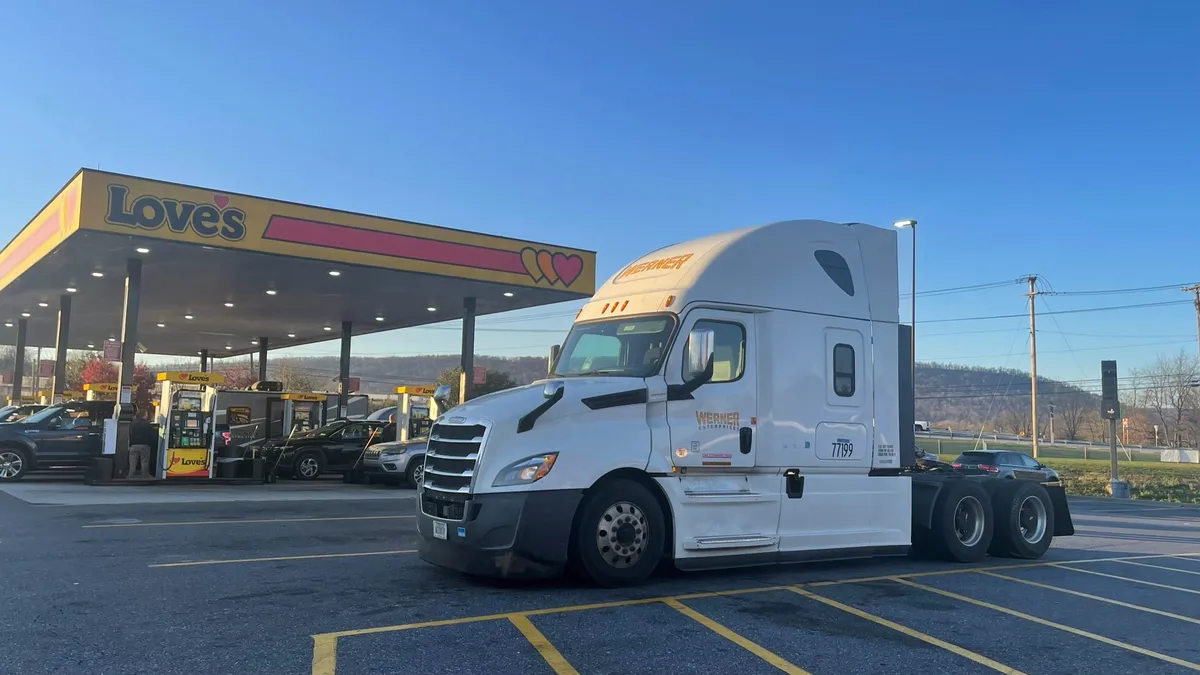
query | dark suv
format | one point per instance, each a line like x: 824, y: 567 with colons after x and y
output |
x: 333, y: 448
x: 68, y: 435
x: 1005, y: 464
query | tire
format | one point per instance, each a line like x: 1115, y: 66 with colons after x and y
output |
x: 595, y: 545
x: 308, y: 465
x: 14, y: 464
x: 962, y: 522
x: 1024, y: 518
x: 415, y: 472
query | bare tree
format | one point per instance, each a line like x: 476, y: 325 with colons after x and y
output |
x: 1168, y: 390
x: 1070, y: 410
x: 1016, y: 420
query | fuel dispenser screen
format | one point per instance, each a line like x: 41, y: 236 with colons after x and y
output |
x: 419, y: 422
x: 187, y: 429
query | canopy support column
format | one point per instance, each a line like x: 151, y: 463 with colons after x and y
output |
x: 466, y: 380
x: 344, y: 372
x: 129, y: 340
x: 19, y: 361
x: 262, y: 359
x: 60, y: 349
x: 204, y: 360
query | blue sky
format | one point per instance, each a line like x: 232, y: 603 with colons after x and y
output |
x: 1050, y: 138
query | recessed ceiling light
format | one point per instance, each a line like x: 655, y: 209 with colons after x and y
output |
x: 189, y: 317
x: 162, y: 325
x: 229, y: 304
x: 97, y: 274
x: 508, y: 294
x: 228, y: 347
x: 8, y: 324
x: 379, y: 318
x: 254, y: 342
x: 42, y: 304
x: 71, y: 289
x: 25, y: 314
x: 431, y: 309
x: 142, y: 249
x: 91, y: 346
x: 291, y: 335
x: 328, y: 328
x: 335, y: 273
x: 201, y: 352
x: 271, y: 291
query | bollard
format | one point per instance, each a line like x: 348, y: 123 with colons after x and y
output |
x: 1118, y: 489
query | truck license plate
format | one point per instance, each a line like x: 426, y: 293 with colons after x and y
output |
x: 439, y: 529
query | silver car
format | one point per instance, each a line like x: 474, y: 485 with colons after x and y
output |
x: 395, y: 462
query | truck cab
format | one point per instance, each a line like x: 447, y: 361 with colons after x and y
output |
x: 727, y: 401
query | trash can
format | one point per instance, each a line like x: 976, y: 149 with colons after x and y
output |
x: 229, y: 459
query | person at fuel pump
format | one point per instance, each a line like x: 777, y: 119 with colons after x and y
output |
x: 388, y: 433
x: 141, y: 439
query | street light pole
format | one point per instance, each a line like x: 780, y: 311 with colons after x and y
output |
x: 912, y: 225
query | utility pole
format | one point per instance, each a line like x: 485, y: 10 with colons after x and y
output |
x: 1033, y: 361
x: 1195, y: 290
x: 1051, y: 424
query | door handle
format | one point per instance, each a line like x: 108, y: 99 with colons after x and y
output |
x: 746, y: 439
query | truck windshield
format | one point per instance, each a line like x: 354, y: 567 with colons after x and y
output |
x: 616, y: 347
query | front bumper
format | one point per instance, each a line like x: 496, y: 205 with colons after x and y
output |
x: 506, y: 535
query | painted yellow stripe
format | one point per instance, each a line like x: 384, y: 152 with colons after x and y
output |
x: 240, y: 522
x: 929, y: 639
x: 1158, y: 567
x: 1129, y: 579
x: 1089, y: 596
x: 752, y: 647
x: 1051, y: 624
x: 198, y: 563
x: 554, y: 658
x: 324, y: 660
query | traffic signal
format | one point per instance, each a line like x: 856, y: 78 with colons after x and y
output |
x: 1110, y: 406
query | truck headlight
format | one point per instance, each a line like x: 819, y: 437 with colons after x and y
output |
x: 526, y: 470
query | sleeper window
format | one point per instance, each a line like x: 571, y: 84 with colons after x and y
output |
x: 843, y: 370
x: 729, y: 351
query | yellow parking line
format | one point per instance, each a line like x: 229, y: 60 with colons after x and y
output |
x: 1158, y: 567
x: 554, y: 658
x: 950, y: 647
x: 198, y: 563
x: 1098, y: 598
x: 240, y: 522
x: 324, y: 660
x: 1129, y: 579
x: 1051, y: 624
x: 752, y: 647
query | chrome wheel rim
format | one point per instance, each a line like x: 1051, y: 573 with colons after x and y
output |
x: 309, y: 467
x: 622, y: 535
x: 968, y: 521
x: 1032, y: 519
x: 419, y: 473
x: 10, y: 464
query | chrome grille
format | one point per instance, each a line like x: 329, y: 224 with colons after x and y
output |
x: 450, y: 459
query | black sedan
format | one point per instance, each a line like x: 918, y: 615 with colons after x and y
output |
x: 334, y: 448
x: 1005, y: 464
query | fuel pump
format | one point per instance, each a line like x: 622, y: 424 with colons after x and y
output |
x: 184, y: 427
x: 303, y: 412
x: 415, y: 411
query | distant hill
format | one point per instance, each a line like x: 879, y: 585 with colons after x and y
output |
x: 381, y: 375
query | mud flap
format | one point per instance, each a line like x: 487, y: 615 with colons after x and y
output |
x: 1063, y: 526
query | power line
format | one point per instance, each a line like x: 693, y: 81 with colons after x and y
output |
x: 1063, y: 311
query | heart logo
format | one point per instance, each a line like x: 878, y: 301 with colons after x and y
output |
x: 546, y: 264
x: 529, y: 259
x: 568, y: 267
x: 221, y: 201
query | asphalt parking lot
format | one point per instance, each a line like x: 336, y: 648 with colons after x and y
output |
x: 331, y: 586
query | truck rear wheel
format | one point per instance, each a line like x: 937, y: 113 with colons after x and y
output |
x: 618, y: 539
x: 962, y: 522
x: 1024, y: 520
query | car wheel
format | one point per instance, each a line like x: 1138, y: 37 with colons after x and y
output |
x: 619, y: 536
x: 13, y: 464
x: 415, y: 473
x: 308, y: 466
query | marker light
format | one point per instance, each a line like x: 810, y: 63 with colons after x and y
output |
x: 681, y: 452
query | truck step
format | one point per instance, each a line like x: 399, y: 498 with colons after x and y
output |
x: 730, y: 541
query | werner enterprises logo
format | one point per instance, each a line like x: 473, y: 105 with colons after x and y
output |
x: 714, y: 420
x: 672, y: 263
x: 148, y: 212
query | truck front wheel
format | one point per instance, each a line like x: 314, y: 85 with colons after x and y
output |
x: 618, y: 539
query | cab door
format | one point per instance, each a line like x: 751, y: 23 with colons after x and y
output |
x: 714, y: 424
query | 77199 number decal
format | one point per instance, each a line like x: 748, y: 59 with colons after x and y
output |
x: 842, y: 449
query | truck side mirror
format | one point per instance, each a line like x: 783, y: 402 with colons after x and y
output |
x: 699, y: 357
x: 555, y: 350
x: 442, y: 396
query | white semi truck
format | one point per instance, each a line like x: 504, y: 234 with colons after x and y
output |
x: 739, y: 399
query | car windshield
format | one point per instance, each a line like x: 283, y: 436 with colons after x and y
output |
x: 616, y: 347
x: 43, y: 414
